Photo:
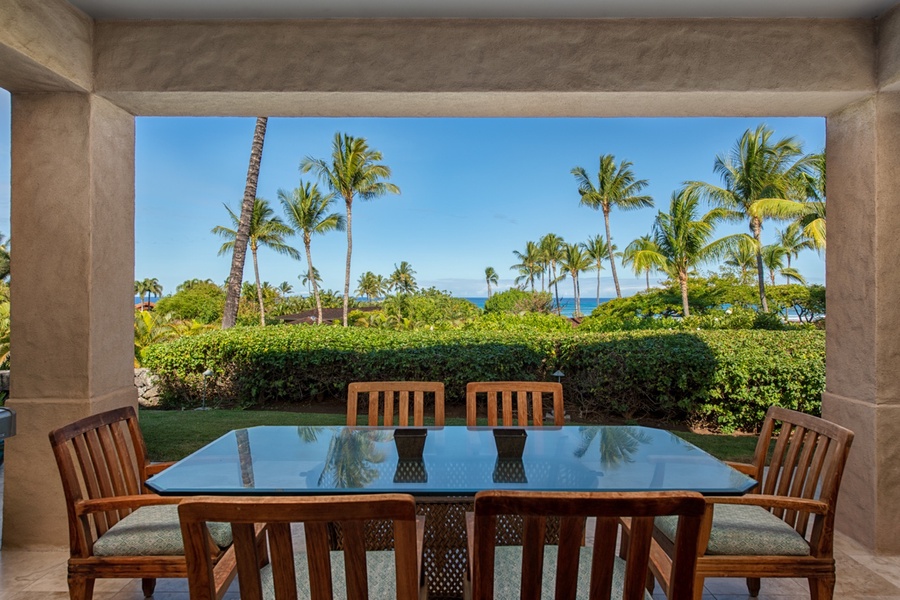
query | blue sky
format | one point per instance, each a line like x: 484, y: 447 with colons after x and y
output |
x: 473, y: 190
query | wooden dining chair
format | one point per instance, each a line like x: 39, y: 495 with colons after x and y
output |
x: 117, y: 529
x: 518, y: 401
x: 785, y: 526
x: 304, y: 567
x: 535, y: 570
x: 387, y: 398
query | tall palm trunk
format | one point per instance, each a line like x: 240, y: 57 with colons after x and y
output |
x: 575, y: 290
x: 349, y: 202
x: 648, y: 279
x: 489, y: 289
x: 612, y: 261
x: 756, y: 228
x: 259, y: 295
x: 598, y: 283
x: 682, y: 283
x: 555, y: 285
x: 307, y: 242
x: 236, y: 275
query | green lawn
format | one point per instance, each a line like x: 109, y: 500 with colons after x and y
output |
x: 172, y: 435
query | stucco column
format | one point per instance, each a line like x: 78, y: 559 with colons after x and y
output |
x: 862, y: 346
x: 72, y: 290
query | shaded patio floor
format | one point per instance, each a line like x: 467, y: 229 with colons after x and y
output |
x: 27, y: 575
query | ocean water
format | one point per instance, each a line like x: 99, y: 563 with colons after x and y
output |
x: 567, y: 305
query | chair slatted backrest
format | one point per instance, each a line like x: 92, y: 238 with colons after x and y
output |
x: 390, y: 398
x: 573, y: 508
x: 807, y: 462
x: 516, y: 401
x: 277, y: 514
x: 100, y: 456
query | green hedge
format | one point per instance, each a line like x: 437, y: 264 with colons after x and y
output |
x: 721, y: 379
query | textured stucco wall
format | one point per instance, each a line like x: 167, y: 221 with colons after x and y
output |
x: 73, y: 217
x: 44, y: 45
x: 486, y: 67
x: 862, y: 346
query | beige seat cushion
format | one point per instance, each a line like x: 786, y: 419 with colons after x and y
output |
x: 379, y: 566
x: 743, y: 530
x: 508, y: 574
x: 153, y: 531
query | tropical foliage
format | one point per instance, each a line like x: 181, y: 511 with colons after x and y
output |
x: 355, y: 171
x: 242, y: 227
x: 616, y: 187
x: 720, y: 379
x: 266, y: 229
x: 759, y: 177
x: 307, y: 210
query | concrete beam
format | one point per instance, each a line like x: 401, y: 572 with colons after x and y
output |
x: 486, y: 67
x: 889, y: 50
x: 45, y: 46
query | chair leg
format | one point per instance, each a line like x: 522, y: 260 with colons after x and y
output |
x: 699, y: 580
x: 821, y: 588
x: 81, y: 588
x: 148, y: 585
x: 753, y: 586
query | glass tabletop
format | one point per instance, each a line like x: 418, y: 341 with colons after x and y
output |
x: 456, y: 461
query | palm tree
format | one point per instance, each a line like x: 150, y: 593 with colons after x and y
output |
x: 490, y: 276
x: 242, y: 230
x: 616, y: 187
x: 756, y: 170
x: 266, y: 229
x: 574, y: 262
x: 597, y: 251
x: 354, y: 171
x: 529, y: 265
x: 154, y: 288
x: 285, y: 288
x: 371, y: 285
x: 308, y: 277
x: 683, y: 240
x: 307, y: 210
x: 774, y: 256
x: 140, y: 291
x: 643, y: 256
x: 551, y: 252
x: 793, y: 241
x: 190, y: 283
x: 806, y: 204
x: 742, y: 256
x: 402, y: 278
x: 4, y: 260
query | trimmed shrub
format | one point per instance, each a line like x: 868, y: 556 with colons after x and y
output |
x: 256, y: 366
x: 724, y: 380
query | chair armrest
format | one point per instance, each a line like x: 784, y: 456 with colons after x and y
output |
x: 743, y: 468
x: 766, y: 501
x: 154, y: 468
x: 122, y: 502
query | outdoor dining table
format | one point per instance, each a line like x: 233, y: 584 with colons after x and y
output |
x: 456, y: 463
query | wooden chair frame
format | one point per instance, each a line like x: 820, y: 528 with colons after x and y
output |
x: 103, y: 464
x: 609, y: 509
x: 275, y: 515
x: 389, y: 393
x: 516, y: 399
x: 800, y: 487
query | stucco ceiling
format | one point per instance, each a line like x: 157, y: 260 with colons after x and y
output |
x: 278, y: 9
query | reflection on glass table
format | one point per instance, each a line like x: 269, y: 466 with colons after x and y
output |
x: 456, y: 461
